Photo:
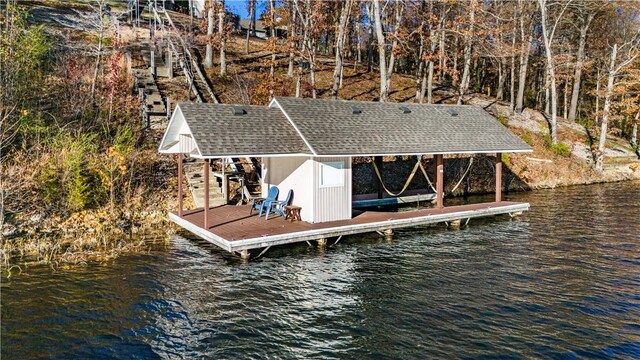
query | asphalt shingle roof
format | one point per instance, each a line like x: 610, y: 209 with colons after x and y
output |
x: 331, y: 128
x: 261, y: 131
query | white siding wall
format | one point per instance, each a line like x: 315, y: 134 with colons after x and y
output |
x: 302, y: 175
x: 291, y: 173
x: 332, y: 203
x: 187, y: 145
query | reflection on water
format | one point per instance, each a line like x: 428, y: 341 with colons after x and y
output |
x: 564, y: 280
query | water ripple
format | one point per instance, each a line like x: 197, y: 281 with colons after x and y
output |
x: 561, y: 282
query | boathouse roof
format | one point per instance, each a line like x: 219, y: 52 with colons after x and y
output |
x: 296, y: 126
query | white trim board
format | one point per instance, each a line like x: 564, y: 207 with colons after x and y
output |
x: 270, y: 240
x: 274, y: 101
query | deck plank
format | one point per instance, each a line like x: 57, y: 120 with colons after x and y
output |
x: 233, y: 223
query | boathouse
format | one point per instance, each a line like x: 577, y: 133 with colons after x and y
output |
x: 307, y: 146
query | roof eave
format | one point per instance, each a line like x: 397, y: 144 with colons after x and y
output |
x: 467, y: 152
x: 218, y: 156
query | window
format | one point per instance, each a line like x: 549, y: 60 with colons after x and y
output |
x: 331, y: 174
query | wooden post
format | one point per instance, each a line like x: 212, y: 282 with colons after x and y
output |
x: 439, y: 181
x: 225, y: 181
x: 153, y: 62
x: 127, y: 57
x: 498, y: 177
x: 378, y: 161
x: 180, y: 185
x: 169, y: 63
x: 207, y: 170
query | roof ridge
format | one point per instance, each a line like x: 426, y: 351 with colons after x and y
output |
x: 294, y: 126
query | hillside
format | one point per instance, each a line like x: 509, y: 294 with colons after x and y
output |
x: 75, y: 160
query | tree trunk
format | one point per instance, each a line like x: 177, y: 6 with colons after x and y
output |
x: 344, y: 20
x: 223, y: 40
x: 512, y: 75
x: 597, y: 116
x: 634, y: 133
x: 442, y: 59
x: 577, y: 75
x: 564, y: 99
x: 524, y: 62
x: 382, y: 52
x: 551, y: 71
x: 464, y: 83
x: 312, y: 67
x: 291, y: 33
x: 96, y: 70
x: 430, y: 84
x: 358, y: 49
x: 605, y: 111
x: 420, y: 77
x: 208, y: 57
x: 272, y: 10
x: 502, y: 78
x: 421, y: 62
x: 251, y: 31
x: 370, y: 39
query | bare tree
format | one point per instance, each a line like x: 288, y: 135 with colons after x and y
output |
x: 272, y: 26
x: 306, y: 15
x: 621, y: 57
x: 526, y: 39
x: 100, y: 25
x: 251, y: 31
x: 223, y: 41
x: 208, y: 58
x: 586, y: 13
x: 548, y: 32
x: 342, y: 26
x: 386, y: 68
x: 468, y: 44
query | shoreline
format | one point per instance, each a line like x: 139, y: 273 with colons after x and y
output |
x: 76, y: 245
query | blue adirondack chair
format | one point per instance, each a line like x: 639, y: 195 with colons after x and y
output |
x: 277, y: 207
x: 260, y: 204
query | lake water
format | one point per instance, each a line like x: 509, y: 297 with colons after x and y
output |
x: 563, y: 281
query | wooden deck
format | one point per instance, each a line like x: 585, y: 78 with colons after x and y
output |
x: 233, y: 229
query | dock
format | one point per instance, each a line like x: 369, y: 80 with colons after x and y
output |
x: 306, y: 165
x: 234, y: 230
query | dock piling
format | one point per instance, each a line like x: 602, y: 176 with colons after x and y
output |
x: 455, y: 224
x: 322, y: 243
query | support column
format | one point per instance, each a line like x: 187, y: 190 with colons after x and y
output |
x: 153, y: 61
x: 207, y: 170
x: 498, y: 177
x: 169, y: 63
x: 225, y: 181
x: 180, y: 185
x: 439, y: 181
x: 378, y: 161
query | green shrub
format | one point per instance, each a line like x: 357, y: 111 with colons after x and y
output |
x: 527, y: 137
x: 558, y: 148
x: 50, y: 187
x: 503, y: 119
x: 67, y: 178
x: 561, y: 149
x: 506, y: 159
